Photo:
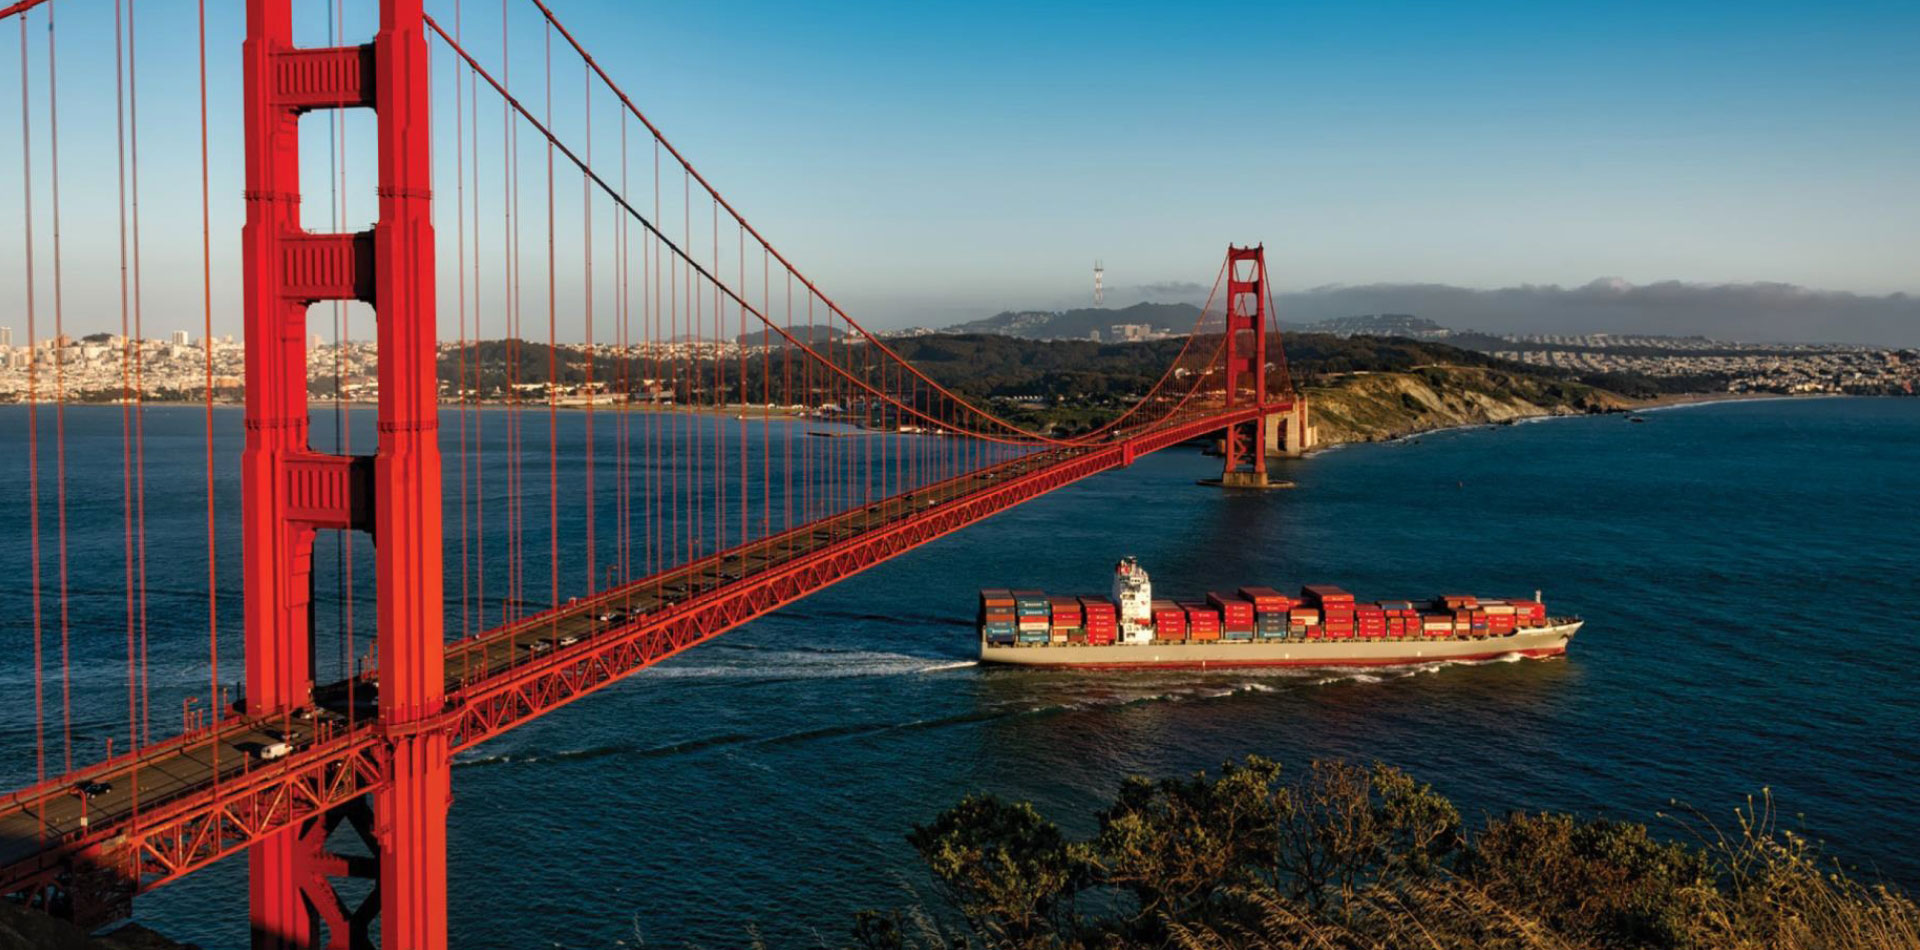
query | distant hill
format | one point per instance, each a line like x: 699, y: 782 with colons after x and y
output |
x: 1380, y: 324
x: 1755, y: 312
x: 807, y: 335
x: 1169, y: 318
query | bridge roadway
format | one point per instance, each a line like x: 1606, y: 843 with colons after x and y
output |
x: 182, y: 803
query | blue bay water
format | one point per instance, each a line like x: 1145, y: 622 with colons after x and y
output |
x: 1747, y: 570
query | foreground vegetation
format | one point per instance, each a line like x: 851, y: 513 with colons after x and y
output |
x: 1343, y: 857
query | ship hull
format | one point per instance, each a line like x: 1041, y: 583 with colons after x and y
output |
x: 1530, y: 642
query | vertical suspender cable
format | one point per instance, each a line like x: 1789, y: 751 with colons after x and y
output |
x: 719, y: 398
x: 60, y: 401
x: 740, y: 426
x: 656, y: 494
x: 460, y: 278
x: 766, y: 400
x: 623, y: 235
x: 586, y: 227
x: 692, y: 301
x: 553, y: 364
x: 139, y: 373
x: 126, y: 418
x: 33, y: 414
x: 472, y: 386
x: 516, y: 504
x: 215, y: 707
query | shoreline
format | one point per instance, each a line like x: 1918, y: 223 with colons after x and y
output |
x: 1634, y: 407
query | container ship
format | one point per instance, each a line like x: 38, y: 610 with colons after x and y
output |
x: 1257, y: 626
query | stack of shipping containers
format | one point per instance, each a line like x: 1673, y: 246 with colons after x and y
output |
x: 1369, y: 621
x: 997, y: 617
x: 1402, y: 620
x: 1064, y: 612
x: 1203, y: 622
x: 1303, y: 622
x: 1103, y: 620
x: 1269, y: 611
x: 1034, y: 616
x: 1336, y: 609
x: 1236, y: 615
x: 1169, y: 621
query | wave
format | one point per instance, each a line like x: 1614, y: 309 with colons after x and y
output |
x: 941, y: 667
x: 1697, y: 403
x: 603, y: 751
x: 805, y: 663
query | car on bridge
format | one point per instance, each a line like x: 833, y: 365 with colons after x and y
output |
x: 92, y: 790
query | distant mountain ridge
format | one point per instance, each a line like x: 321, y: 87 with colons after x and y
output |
x: 1173, y: 319
x: 1751, y: 312
x: 1377, y: 324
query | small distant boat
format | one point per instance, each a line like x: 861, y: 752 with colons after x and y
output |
x: 1636, y: 419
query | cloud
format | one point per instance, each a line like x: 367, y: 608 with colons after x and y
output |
x: 1171, y: 289
x: 1760, y: 312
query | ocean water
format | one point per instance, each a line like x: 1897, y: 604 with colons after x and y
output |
x: 1748, y: 572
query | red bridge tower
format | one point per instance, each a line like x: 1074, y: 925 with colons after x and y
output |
x: 290, y: 491
x: 1245, y: 445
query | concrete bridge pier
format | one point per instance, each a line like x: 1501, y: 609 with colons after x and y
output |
x: 1290, y: 434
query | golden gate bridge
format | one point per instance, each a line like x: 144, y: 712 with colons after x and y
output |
x: 697, y: 521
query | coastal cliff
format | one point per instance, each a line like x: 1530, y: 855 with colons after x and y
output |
x: 1376, y: 406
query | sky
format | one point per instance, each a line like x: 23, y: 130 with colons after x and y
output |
x: 930, y: 163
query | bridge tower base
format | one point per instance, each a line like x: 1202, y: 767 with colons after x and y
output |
x: 290, y: 491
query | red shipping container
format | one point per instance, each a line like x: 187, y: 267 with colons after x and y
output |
x: 1199, y: 635
x: 1199, y: 611
x: 1097, y: 606
x: 1267, y: 600
x: 1314, y: 632
x: 1170, y: 625
x: 1232, y: 608
x: 1325, y: 594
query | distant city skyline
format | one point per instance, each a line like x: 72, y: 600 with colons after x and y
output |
x: 940, y: 163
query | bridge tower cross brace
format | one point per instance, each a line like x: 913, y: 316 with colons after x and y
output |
x: 1246, y: 364
x: 291, y: 491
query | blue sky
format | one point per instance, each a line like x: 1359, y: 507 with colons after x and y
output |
x: 930, y: 162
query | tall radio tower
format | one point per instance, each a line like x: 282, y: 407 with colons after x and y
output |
x: 1098, y: 293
